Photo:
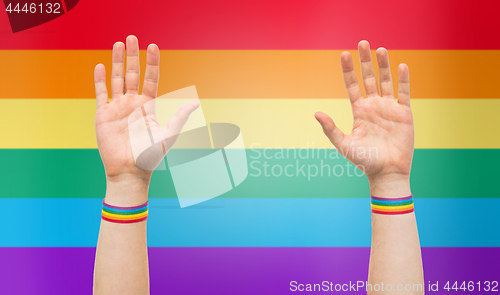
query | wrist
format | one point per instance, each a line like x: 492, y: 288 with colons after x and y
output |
x: 126, y: 190
x: 390, y: 186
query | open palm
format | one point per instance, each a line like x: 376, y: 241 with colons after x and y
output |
x: 116, y: 136
x: 382, y: 139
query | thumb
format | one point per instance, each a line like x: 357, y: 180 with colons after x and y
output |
x: 179, y: 119
x: 331, y: 131
x: 171, y: 131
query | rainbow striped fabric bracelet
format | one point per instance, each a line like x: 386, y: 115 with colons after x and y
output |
x: 389, y: 206
x: 124, y: 214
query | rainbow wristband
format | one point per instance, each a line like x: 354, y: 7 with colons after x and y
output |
x: 392, y: 206
x: 124, y: 214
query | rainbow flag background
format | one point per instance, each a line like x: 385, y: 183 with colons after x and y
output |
x: 265, y: 66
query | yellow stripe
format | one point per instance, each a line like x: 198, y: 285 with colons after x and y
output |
x: 384, y: 208
x: 439, y: 123
x: 117, y: 216
x: 124, y: 217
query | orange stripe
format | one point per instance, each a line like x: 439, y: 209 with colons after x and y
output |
x: 250, y: 73
x: 393, y: 209
x: 124, y: 221
x: 124, y: 217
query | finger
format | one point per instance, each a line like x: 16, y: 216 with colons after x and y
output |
x: 133, y: 66
x: 367, y: 71
x: 150, y: 86
x: 403, y: 85
x: 386, y: 87
x: 350, y: 79
x: 118, y: 72
x: 101, y: 93
x: 174, y: 126
x: 333, y: 133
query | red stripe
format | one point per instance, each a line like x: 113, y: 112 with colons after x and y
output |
x: 392, y: 213
x: 264, y: 24
x: 64, y: 6
x: 124, y: 221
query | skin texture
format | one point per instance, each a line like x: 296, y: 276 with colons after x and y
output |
x: 121, y: 265
x: 380, y: 123
x: 381, y: 144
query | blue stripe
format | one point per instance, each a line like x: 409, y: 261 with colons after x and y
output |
x: 391, y: 202
x: 224, y: 222
x: 124, y: 210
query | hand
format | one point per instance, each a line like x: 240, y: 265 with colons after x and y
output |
x: 112, y: 119
x: 382, y: 139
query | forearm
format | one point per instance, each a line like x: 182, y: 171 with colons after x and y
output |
x: 395, y: 252
x: 121, y: 265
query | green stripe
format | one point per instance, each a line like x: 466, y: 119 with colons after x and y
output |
x: 78, y: 173
x: 392, y: 204
x: 124, y: 213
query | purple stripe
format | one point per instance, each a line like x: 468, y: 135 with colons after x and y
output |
x: 125, y: 208
x: 392, y: 199
x: 58, y: 271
